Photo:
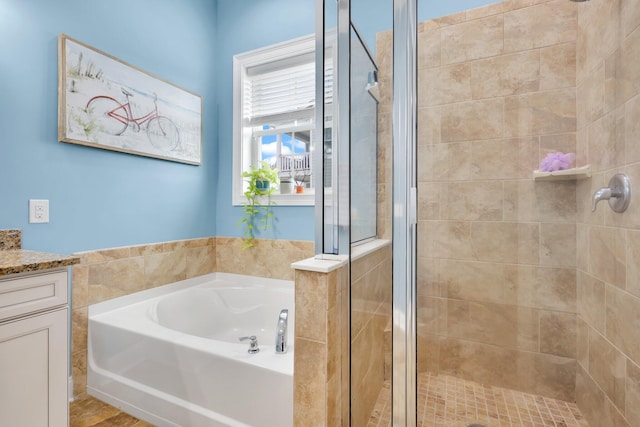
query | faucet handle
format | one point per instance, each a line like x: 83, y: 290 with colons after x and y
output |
x: 618, y: 193
x: 253, y: 343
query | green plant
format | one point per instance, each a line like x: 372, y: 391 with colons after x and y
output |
x: 257, y: 214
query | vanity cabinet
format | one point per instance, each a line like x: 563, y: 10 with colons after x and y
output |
x: 33, y: 349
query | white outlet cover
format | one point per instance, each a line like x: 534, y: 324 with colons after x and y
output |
x: 38, y: 211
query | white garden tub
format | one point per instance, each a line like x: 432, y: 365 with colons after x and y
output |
x: 171, y: 355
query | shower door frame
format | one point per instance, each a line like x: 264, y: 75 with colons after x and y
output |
x: 404, y: 213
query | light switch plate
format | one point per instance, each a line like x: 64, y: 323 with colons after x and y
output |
x: 38, y: 211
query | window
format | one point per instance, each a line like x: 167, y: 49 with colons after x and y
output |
x: 274, y: 99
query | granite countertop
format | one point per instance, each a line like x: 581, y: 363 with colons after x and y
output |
x: 22, y: 261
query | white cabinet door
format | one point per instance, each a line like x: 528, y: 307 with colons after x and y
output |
x: 33, y: 371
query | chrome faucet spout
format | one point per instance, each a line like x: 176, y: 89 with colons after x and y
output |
x: 602, y: 194
x: 281, y: 332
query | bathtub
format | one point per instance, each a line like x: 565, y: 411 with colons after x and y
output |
x: 171, y: 355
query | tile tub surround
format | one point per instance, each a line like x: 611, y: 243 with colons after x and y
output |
x: 496, y: 250
x: 110, y: 273
x: 321, y: 336
x: 10, y: 239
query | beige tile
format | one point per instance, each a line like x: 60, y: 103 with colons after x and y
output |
x: 606, y: 141
x: 633, y: 262
x: 582, y: 241
x: 546, y: 24
x: 607, y: 366
x: 505, y: 242
x: 101, y: 256
x: 472, y: 201
x: 630, y: 15
x: 429, y: 51
x: 531, y: 201
x: 141, y: 250
x: 311, y: 304
x: 429, y: 200
x: 429, y: 126
x: 632, y: 129
x: 628, y: 69
x: 591, y: 97
x: 607, y: 255
x: 528, y: 329
x: 511, y: 158
x: 562, y: 142
x: 79, y: 285
x: 540, y: 113
x: 598, y: 24
x: 506, y: 75
x: 475, y: 120
x: 591, y: 300
x: 478, y: 362
x: 459, y: 161
x: 480, y: 38
x: 543, y: 287
x: 200, y: 260
x: 428, y: 280
x: 79, y: 372
x: 491, y: 9
x: 309, y: 383
x: 367, y: 367
x: 558, y: 333
x: 589, y: 398
x: 163, y: 268
x: 623, y: 311
x: 445, y: 239
x: 454, y: 18
x: 558, y: 66
x: 558, y: 245
x: 495, y: 324
x: 115, y: 278
x: 633, y: 393
x: 474, y: 281
x: 582, y: 344
x: 547, y: 375
x: 79, y: 326
x: 444, y: 85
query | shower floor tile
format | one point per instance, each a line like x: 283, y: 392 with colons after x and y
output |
x: 446, y: 401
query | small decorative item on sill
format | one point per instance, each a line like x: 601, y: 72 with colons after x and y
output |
x: 557, y: 161
x: 301, y: 178
x: 286, y: 186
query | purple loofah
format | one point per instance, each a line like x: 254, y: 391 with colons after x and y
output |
x: 557, y: 162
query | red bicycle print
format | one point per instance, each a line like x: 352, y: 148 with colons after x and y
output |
x: 114, y: 118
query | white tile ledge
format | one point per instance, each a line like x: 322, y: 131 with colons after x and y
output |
x: 321, y: 265
x: 366, y: 248
x: 327, y: 263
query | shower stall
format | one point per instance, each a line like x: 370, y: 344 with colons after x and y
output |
x: 503, y: 299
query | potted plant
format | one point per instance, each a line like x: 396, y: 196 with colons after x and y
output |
x: 300, y: 178
x: 262, y: 181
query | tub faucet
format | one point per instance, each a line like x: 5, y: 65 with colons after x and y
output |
x: 253, y: 344
x: 281, y: 334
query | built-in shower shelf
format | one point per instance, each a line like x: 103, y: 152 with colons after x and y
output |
x: 582, y: 172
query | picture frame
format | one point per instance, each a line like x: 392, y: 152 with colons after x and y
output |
x: 106, y: 103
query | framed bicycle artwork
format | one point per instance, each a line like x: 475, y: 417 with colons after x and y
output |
x: 104, y: 102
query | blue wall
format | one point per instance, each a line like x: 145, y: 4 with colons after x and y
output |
x: 245, y: 25
x: 102, y: 198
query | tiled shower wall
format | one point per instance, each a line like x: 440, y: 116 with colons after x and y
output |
x: 496, y: 250
x: 110, y: 273
x: 608, y: 256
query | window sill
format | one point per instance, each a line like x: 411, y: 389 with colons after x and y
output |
x: 305, y: 199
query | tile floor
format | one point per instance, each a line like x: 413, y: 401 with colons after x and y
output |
x: 443, y: 401
x: 446, y: 401
x: 90, y: 412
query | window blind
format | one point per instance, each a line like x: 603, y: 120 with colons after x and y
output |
x: 282, y: 93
